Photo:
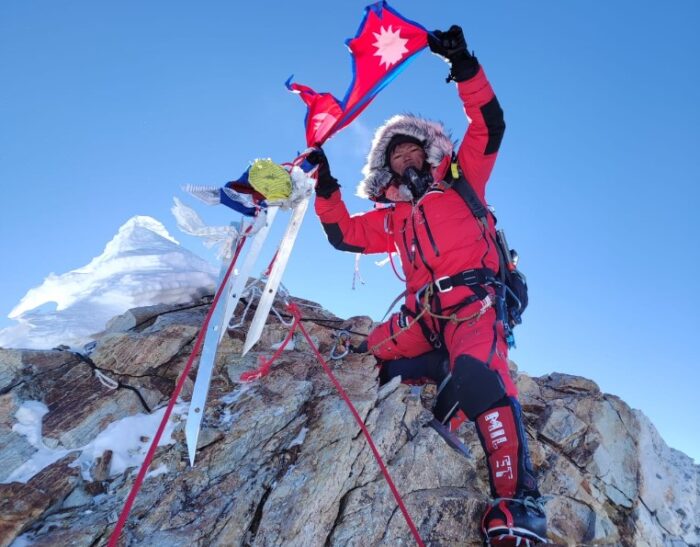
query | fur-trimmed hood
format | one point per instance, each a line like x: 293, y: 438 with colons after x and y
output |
x: 436, y: 143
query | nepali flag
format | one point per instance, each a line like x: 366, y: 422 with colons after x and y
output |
x: 382, y: 47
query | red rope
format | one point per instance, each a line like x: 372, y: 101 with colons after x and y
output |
x: 393, y: 267
x: 171, y: 404
x: 388, y: 228
x: 297, y: 314
x: 265, y: 366
x: 272, y: 263
x: 247, y: 377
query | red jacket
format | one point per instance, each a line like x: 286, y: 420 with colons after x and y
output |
x: 437, y: 236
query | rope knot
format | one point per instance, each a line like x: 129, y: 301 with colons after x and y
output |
x: 294, y: 310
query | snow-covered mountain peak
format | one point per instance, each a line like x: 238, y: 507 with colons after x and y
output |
x: 138, y: 234
x: 141, y: 265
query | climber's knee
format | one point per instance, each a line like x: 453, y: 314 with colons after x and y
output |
x: 430, y: 367
x: 472, y: 387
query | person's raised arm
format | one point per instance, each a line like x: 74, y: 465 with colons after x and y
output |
x: 479, y: 148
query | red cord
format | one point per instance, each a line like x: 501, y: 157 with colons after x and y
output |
x: 393, y: 267
x: 263, y: 370
x: 297, y: 314
x: 388, y: 228
x: 124, y: 515
x: 265, y: 366
x: 272, y: 263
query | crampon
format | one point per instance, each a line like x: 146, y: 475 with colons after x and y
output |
x: 515, y: 522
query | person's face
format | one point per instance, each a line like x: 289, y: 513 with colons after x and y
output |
x: 406, y: 155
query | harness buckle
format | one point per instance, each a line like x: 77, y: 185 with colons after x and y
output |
x: 470, y: 277
x: 440, y: 287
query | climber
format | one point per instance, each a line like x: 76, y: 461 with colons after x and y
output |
x: 450, y: 262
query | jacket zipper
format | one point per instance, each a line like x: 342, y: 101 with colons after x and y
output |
x: 418, y: 246
x: 427, y: 229
x: 410, y: 253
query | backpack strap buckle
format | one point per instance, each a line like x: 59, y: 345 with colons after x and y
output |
x: 444, y: 284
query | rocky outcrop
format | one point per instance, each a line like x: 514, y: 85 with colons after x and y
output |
x: 282, y: 462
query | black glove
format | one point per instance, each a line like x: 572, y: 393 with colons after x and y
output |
x: 326, y: 184
x: 452, y: 46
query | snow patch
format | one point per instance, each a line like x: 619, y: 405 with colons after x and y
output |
x: 162, y: 469
x: 25, y: 540
x: 232, y: 397
x: 289, y: 347
x: 128, y: 439
x: 228, y: 417
x: 29, y: 417
x: 299, y: 439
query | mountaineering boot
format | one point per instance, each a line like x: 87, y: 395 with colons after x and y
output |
x: 516, y: 516
x: 515, y: 522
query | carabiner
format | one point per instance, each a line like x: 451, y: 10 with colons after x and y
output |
x: 342, y: 345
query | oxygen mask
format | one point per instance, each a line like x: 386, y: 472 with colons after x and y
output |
x: 417, y: 181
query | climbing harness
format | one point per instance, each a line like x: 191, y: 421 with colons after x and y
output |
x: 423, y: 297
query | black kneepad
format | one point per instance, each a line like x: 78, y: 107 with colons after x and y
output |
x: 472, y: 387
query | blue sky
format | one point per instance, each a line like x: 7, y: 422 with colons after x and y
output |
x: 107, y: 109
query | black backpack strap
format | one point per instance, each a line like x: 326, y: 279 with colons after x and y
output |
x: 467, y: 193
x: 505, y: 279
x: 481, y: 212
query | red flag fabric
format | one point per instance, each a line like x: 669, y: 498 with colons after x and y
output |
x: 322, y: 114
x: 383, y: 45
